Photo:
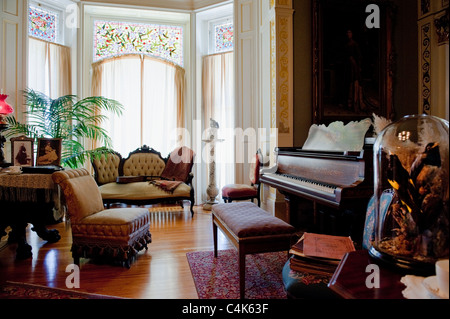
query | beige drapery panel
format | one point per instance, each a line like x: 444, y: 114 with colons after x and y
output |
x: 218, y: 88
x: 213, y: 81
x: 180, y: 83
x: 218, y: 104
x: 50, y: 68
x: 61, y: 85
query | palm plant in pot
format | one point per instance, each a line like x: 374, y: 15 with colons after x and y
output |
x: 72, y: 119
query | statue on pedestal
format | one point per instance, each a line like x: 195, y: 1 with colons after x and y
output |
x: 212, y: 190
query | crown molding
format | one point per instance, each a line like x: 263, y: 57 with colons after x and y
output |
x: 188, y: 5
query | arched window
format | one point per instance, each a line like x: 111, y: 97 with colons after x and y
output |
x: 140, y: 65
x: 118, y: 38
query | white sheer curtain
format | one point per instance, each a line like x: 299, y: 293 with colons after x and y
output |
x: 120, y: 79
x: 218, y: 103
x: 49, y: 68
x: 159, y: 129
x: 150, y: 93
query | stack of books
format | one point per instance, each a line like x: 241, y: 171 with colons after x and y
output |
x: 318, y: 253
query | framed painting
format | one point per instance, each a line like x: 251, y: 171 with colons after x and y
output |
x: 22, y: 151
x: 48, y: 151
x: 353, y: 61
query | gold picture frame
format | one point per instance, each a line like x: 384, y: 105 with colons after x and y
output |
x: 353, y: 64
x: 22, y: 151
x: 48, y: 152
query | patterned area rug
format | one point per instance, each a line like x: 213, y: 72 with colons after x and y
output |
x: 16, y: 290
x: 217, y: 278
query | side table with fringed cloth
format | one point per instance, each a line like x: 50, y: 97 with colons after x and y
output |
x: 29, y: 198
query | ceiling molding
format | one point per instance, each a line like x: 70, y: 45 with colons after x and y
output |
x: 187, y: 5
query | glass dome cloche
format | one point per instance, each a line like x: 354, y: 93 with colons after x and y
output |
x: 411, y: 183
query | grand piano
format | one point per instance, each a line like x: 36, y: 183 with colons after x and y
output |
x: 325, y: 191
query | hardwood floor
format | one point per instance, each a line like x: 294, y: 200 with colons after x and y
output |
x: 161, y: 272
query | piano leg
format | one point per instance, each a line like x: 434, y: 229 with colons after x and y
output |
x: 287, y: 213
x: 327, y: 222
x: 311, y: 216
x: 315, y: 215
x: 300, y: 213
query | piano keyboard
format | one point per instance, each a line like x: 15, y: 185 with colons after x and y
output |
x: 299, y: 181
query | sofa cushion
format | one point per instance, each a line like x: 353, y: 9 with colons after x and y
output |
x: 141, y: 191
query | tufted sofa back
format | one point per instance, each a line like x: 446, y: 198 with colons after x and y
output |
x: 106, y: 168
x: 81, y: 193
x: 143, y: 164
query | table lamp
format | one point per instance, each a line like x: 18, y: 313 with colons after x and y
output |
x: 5, y: 109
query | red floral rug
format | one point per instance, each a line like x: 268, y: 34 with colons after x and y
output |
x: 217, y: 278
x: 17, y: 290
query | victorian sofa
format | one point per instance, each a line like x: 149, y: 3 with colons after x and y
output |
x: 145, y: 177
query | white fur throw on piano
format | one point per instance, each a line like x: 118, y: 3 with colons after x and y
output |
x: 337, y: 136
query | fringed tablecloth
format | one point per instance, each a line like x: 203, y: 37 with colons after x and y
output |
x: 23, y: 187
x: 29, y: 188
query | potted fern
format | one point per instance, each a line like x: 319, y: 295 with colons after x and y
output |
x: 69, y: 118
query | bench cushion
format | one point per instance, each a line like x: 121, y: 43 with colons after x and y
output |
x: 239, y: 190
x: 118, y: 225
x: 141, y: 191
x: 248, y: 220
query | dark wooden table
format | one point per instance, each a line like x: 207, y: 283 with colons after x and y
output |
x: 28, y: 198
x: 349, y: 279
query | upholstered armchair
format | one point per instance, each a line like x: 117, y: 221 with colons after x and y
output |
x: 115, y: 234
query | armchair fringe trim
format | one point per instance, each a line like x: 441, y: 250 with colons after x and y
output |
x: 105, y: 250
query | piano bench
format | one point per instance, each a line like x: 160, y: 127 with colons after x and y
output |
x: 251, y: 230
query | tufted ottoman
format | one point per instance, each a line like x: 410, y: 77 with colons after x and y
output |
x: 252, y: 230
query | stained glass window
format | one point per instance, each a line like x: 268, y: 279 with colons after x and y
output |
x: 223, y: 37
x: 42, y: 24
x: 116, y: 38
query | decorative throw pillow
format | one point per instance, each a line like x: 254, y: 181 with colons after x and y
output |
x: 337, y: 136
x: 179, y: 164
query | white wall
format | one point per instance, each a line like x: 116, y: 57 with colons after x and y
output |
x: 202, y: 36
x: 12, y: 57
x: 13, y: 51
x: 247, y: 64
